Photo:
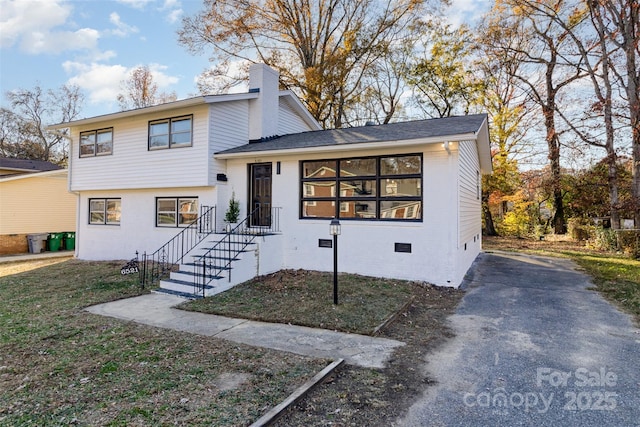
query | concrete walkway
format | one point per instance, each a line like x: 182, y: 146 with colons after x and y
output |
x: 157, y: 310
x: 534, y: 346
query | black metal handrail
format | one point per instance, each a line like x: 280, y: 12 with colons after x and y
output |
x: 216, y: 260
x: 160, y: 263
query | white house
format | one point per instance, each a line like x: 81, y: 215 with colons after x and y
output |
x: 407, y: 194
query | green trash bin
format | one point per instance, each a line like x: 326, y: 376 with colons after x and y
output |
x: 70, y: 240
x: 55, y: 240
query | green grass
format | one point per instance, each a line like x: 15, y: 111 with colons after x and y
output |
x: 306, y: 298
x: 617, y: 278
x: 60, y: 365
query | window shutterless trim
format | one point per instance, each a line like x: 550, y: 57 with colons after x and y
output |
x: 378, y: 198
x: 95, y: 143
x: 105, y: 211
x: 170, y: 133
x: 176, y: 212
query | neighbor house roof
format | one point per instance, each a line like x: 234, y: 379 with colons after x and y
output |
x: 459, y: 128
x: 26, y: 165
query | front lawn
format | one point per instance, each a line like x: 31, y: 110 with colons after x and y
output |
x: 305, y: 298
x: 60, y: 365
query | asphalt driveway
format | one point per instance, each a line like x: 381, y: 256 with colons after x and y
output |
x: 534, y: 347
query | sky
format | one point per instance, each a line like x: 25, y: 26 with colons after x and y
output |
x: 94, y: 44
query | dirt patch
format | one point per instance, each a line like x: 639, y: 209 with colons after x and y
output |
x: 378, y: 397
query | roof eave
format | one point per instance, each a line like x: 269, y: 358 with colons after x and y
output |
x: 347, y: 147
x: 34, y: 175
x: 483, y: 142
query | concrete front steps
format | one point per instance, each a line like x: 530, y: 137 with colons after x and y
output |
x: 243, y: 267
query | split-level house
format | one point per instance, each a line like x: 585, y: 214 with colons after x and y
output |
x: 158, y: 181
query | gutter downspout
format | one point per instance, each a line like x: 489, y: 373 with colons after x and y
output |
x: 69, y: 181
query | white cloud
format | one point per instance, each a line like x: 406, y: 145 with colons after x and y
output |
x: 170, y: 4
x: 162, y: 79
x: 174, y: 7
x: 461, y: 11
x: 174, y: 15
x: 136, y: 4
x: 103, y: 82
x: 122, y: 29
x: 59, y: 41
x: 100, y: 81
x: 32, y: 25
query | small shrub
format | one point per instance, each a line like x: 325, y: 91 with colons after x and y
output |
x: 628, y: 241
x: 604, y: 239
x: 233, y: 211
x: 580, y: 229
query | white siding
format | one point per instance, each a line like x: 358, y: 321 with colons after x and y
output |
x: 289, y: 121
x: 469, y: 196
x: 228, y: 128
x: 132, y: 165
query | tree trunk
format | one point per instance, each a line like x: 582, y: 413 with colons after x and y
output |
x: 553, y: 143
x: 614, y: 201
x: 489, y: 226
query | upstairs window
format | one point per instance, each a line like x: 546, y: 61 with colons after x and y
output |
x: 170, y: 133
x: 96, y: 142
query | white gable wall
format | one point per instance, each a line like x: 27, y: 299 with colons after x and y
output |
x: 289, y: 121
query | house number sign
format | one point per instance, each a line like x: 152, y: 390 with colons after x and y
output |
x: 130, y: 267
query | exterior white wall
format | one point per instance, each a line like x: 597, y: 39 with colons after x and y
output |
x: 469, y: 206
x: 132, y: 165
x: 367, y: 247
x: 137, y: 230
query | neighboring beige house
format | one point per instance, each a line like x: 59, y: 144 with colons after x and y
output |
x: 32, y: 202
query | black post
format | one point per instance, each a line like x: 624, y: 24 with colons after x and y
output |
x: 335, y: 269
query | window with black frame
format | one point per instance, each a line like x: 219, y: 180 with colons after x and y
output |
x: 104, y: 211
x: 176, y: 211
x: 365, y: 188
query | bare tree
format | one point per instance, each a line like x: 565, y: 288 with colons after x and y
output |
x: 24, y: 132
x: 321, y: 48
x: 620, y: 22
x: 141, y: 91
x: 519, y: 30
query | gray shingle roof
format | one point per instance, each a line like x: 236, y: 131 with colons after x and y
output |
x: 27, y: 165
x: 417, y: 129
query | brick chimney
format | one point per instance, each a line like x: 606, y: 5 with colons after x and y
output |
x: 263, y: 111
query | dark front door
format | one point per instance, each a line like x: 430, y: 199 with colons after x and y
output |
x: 260, y: 183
